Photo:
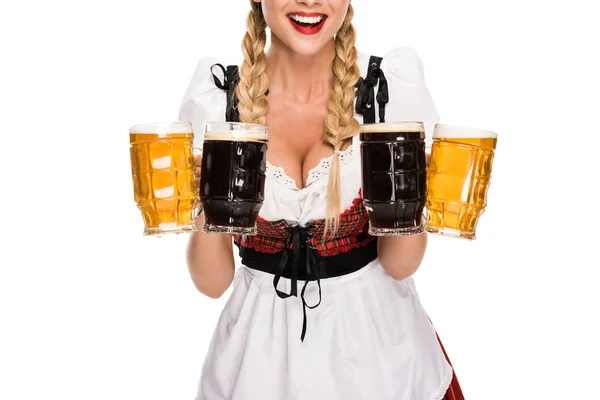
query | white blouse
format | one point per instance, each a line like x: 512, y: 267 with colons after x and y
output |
x: 409, y: 100
x: 390, y: 344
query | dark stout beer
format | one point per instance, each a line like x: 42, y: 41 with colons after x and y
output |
x: 394, y: 177
x: 233, y: 176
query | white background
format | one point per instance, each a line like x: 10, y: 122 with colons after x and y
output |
x: 91, y: 309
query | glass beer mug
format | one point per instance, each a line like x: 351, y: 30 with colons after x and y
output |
x: 232, y: 181
x: 164, y: 177
x: 394, y: 177
x: 458, y: 179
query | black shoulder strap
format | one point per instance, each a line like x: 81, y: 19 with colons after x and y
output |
x: 231, y: 77
x: 365, y: 102
x: 365, y: 92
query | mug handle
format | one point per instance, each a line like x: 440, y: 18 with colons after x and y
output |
x: 425, y: 213
x: 197, y: 151
x: 428, y: 147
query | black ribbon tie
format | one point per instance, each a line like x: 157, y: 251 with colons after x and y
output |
x: 298, y: 238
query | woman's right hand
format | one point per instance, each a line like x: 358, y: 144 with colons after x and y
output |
x: 209, y: 257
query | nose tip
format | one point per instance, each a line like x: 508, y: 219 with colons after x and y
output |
x: 308, y: 2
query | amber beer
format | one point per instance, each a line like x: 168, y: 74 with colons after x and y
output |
x: 232, y: 181
x: 458, y: 178
x: 163, y: 173
x: 394, y: 177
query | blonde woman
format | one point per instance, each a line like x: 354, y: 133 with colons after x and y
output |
x: 337, y: 316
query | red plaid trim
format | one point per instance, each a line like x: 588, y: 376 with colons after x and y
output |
x: 352, y: 233
x: 353, y: 222
x: 271, y: 236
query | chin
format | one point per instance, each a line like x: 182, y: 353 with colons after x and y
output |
x: 305, y: 47
x: 306, y: 50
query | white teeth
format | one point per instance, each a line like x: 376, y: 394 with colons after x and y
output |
x: 307, y: 20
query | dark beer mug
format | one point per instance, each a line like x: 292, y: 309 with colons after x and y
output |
x: 232, y: 179
x: 394, y: 177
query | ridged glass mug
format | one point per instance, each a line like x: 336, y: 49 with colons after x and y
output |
x: 458, y: 178
x: 232, y: 181
x: 164, y: 177
x: 394, y: 177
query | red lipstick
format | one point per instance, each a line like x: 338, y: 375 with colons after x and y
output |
x: 305, y: 27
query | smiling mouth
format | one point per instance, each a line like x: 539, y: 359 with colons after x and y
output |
x: 307, y: 21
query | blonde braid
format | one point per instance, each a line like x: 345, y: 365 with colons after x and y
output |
x: 254, y: 82
x: 340, y: 123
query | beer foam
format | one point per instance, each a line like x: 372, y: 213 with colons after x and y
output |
x: 443, y: 131
x: 238, y: 136
x: 236, y: 131
x: 164, y: 193
x: 162, y: 128
x: 393, y: 127
x: 162, y: 162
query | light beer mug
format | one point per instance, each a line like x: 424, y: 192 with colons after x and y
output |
x: 163, y: 174
x: 458, y: 178
x: 232, y: 181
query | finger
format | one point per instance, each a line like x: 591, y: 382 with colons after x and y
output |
x: 197, y: 177
x: 198, y: 160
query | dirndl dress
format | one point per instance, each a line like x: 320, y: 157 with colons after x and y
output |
x: 314, y: 319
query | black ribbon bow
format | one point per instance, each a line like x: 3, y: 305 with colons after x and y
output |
x: 231, y: 77
x: 365, y: 93
x: 298, y: 238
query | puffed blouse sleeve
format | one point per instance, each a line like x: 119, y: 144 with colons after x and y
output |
x: 203, y: 101
x: 409, y: 97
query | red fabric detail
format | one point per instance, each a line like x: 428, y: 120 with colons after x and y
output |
x: 352, y: 222
x: 272, y: 236
x: 454, y: 391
